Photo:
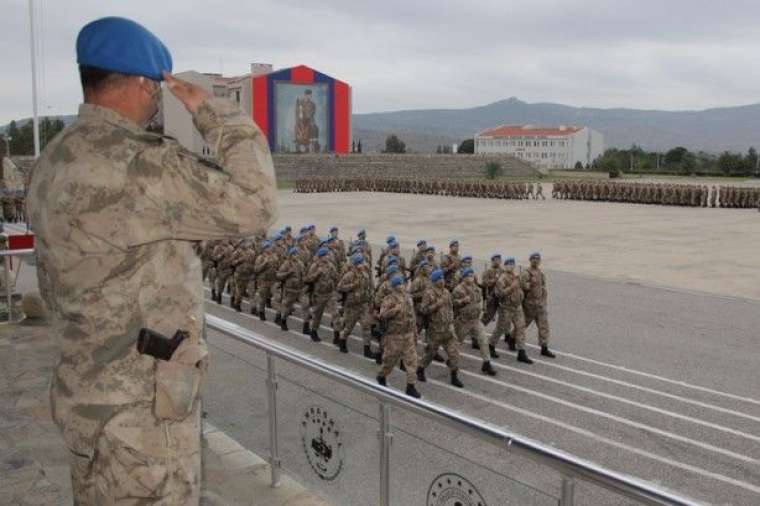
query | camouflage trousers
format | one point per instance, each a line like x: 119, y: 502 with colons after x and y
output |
x: 221, y: 279
x: 242, y: 284
x: 263, y: 294
x: 319, y: 304
x: 289, y: 300
x: 400, y: 347
x: 139, y: 459
x: 510, y: 316
x: 354, y: 314
x: 539, y: 315
x: 442, y: 338
x: 473, y: 329
x: 489, y: 311
x: 212, y: 275
x: 206, y: 269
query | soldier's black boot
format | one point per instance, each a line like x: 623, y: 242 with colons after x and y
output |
x: 411, y: 391
x: 263, y: 315
x: 523, y: 357
x: 455, y: 379
x: 401, y: 365
x: 213, y: 294
x: 336, y: 338
x: 487, y: 369
x: 546, y: 353
x: 421, y: 374
x: 475, y: 344
x: 269, y: 303
x: 368, y: 351
x: 238, y: 307
x: 381, y: 380
x: 315, y: 336
x: 278, y: 318
x: 492, y: 351
x: 254, y: 310
x: 510, y: 342
x: 306, y: 328
x: 219, y: 297
x: 343, y: 346
x: 284, y: 324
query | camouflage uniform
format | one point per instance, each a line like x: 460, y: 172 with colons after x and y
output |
x: 323, y: 277
x: 356, y: 284
x: 534, y: 285
x: 468, y: 302
x: 437, y: 307
x: 290, y: 275
x: 115, y: 253
x: 265, y: 270
x: 397, y: 310
x: 490, y: 276
x: 510, y: 296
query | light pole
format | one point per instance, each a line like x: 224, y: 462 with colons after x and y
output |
x: 35, y: 119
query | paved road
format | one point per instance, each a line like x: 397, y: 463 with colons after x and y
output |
x: 656, y: 383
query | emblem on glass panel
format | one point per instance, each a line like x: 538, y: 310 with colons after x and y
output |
x: 453, y: 490
x: 322, y: 442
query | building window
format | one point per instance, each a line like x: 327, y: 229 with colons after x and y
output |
x: 237, y: 96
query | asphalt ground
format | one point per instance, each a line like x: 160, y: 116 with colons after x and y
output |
x: 656, y: 383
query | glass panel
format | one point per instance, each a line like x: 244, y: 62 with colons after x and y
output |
x: 327, y: 432
x: 434, y: 465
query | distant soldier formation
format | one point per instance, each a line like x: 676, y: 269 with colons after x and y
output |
x: 592, y: 190
x: 431, y: 298
x: 479, y: 188
x: 13, y: 207
x: 658, y: 193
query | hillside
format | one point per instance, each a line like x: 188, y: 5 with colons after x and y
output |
x: 713, y: 130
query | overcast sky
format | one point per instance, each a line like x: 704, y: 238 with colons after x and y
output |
x: 409, y: 54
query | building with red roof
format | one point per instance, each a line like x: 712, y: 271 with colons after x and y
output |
x: 560, y: 147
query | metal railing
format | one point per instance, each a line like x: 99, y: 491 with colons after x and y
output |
x: 571, y: 468
x: 7, y: 254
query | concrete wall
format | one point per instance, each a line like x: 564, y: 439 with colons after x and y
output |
x: 292, y: 167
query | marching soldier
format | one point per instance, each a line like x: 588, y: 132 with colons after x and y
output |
x: 535, y: 303
x: 438, y: 309
x: 397, y: 311
x: 510, y: 295
x: 490, y: 277
x: 468, y: 302
x: 450, y: 264
x: 357, y: 289
x: 265, y: 270
x: 321, y: 281
x: 290, y: 276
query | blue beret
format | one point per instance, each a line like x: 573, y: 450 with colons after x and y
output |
x: 467, y: 258
x: 430, y: 248
x: 495, y: 256
x: 333, y: 229
x: 422, y: 263
x: 277, y: 237
x: 357, y: 259
x: 322, y: 252
x: 467, y: 272
x: 535, y: 254
x: 121, y: 45
x: 421, y: 242
x: 454, y: 243
x: 266, y: 244
x: 300, y: 237
x: 361, y: 232
x: 396, y: 281
x: 311, y: 227
x: 292, y: 251
x: 304, y: 229
x: 392, y: 269
x: 390, y: 239
x: 509, y: 260
x: 287, y: 228
x: 436, y: 275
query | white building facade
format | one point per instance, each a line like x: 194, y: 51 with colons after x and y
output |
x: 559, y: 147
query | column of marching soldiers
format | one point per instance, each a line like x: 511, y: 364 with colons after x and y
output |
x: 433, y: 296
x: 13, y: 207
x: 592, y: 190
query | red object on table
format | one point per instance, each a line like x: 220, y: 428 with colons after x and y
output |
x: 21, y: 241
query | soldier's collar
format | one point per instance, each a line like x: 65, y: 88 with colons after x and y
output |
x: 99, y: 113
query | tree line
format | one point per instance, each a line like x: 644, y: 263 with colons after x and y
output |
x: 678, y: 160
x: 20, y: 140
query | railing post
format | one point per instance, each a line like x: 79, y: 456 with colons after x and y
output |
x: 8, y: 290
x: 568, y: 492
x: 385, y: 438
x: 274, y: 450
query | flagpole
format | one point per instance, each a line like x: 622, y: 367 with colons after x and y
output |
x: 35, y: 119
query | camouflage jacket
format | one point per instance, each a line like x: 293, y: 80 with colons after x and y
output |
x: 534, y: 285
x: 508, y: 290
x: 290, y: 274
x: 117, y: 211
x: 437, y: 305
x: 398, y: 310
x: 467, y: 301
x: 357, y: 285
x: 323, y: 276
